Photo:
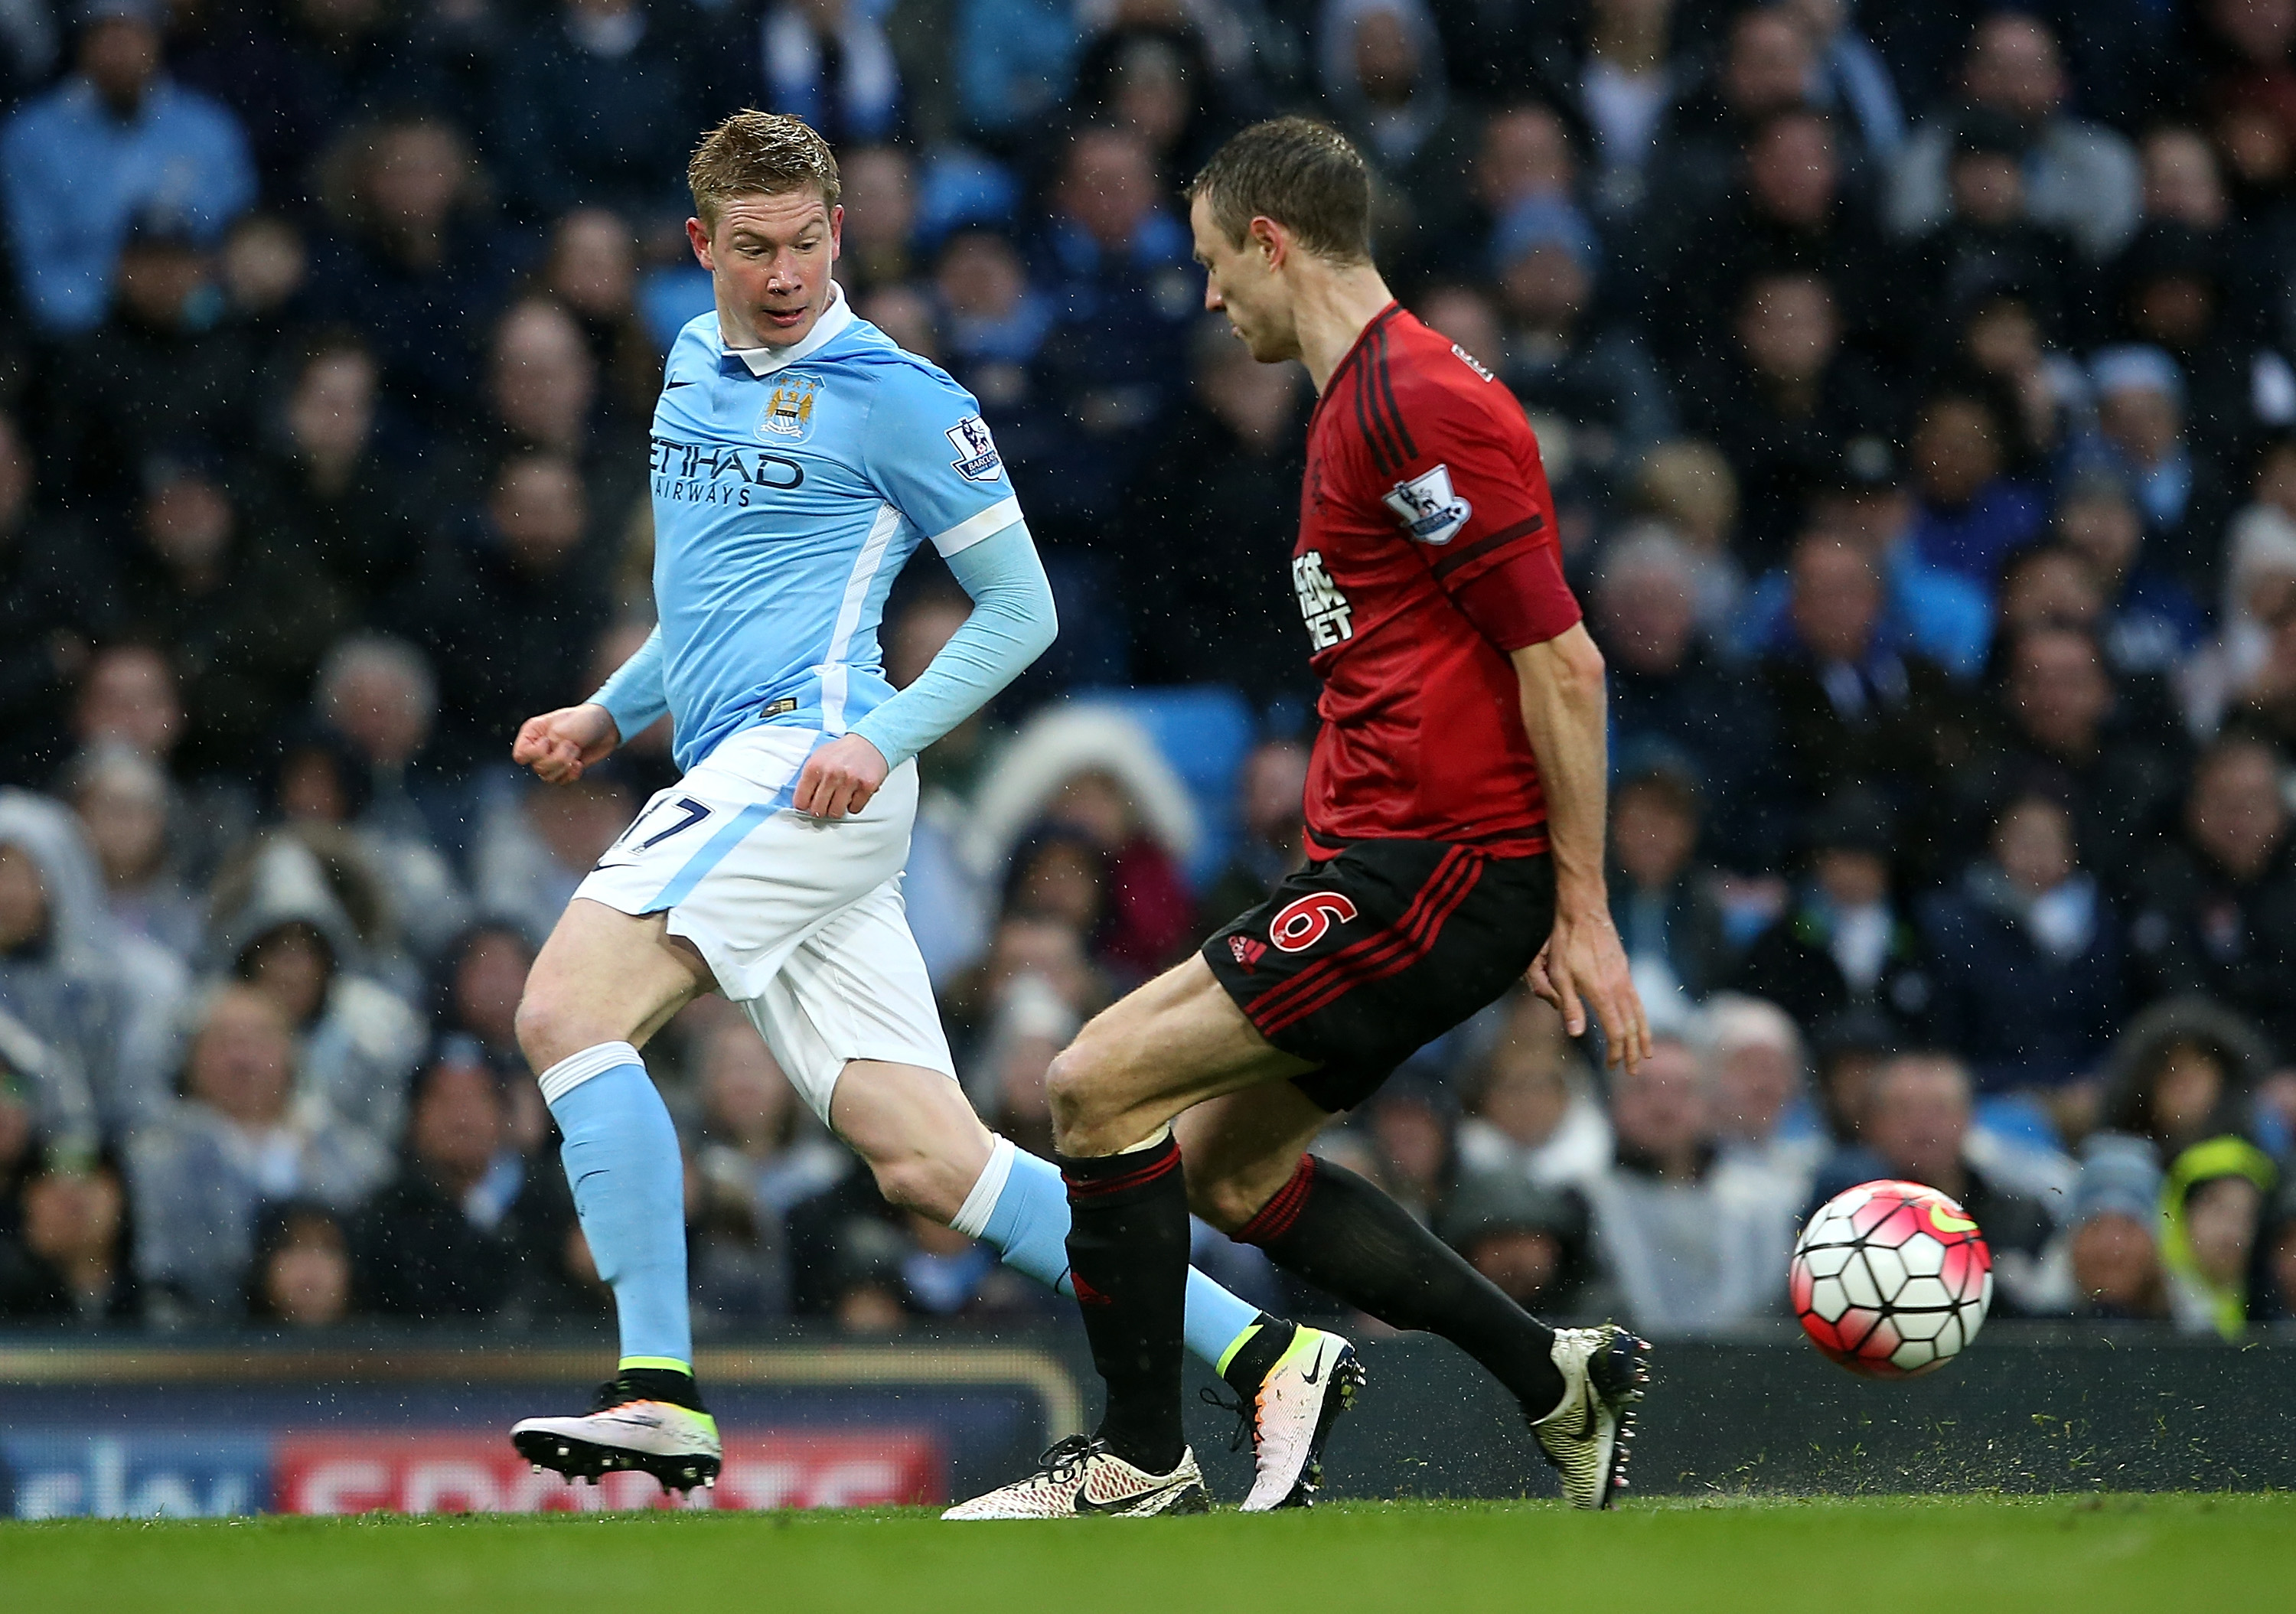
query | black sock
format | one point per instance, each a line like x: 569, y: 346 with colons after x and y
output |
x: 662, y: 1384
x: 1129, y: 1259
x: 1328, y: 1225
x: 1257, y: 1354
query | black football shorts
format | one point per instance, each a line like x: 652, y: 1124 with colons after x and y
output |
x: 1360, y: 960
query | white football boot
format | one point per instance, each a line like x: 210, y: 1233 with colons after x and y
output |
x: 1291, y: 1414
x: 1081, y: 1476
x: 1587, y: 1437
x: 676, y: 1444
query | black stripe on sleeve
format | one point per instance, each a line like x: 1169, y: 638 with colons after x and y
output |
x: 1482, y: 546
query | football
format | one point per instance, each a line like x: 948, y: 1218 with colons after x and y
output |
x: 1891, y: 1279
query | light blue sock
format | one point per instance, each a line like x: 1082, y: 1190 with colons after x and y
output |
x: 1020, y: 1208
x: 622, y: 1158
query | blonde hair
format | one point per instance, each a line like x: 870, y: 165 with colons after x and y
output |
x: 755, y: 153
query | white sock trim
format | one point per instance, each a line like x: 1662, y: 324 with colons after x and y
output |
x: 570, y: 1072
x: 972, y: 1218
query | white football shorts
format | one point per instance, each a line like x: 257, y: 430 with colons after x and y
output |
x: 800, y: 919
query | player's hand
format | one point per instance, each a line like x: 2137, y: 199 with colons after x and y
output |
x: 840, y: 778
x: 1583, y: 966
x: 559, y: 745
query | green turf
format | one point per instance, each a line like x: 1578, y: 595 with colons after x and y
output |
x: 1899, y: 1556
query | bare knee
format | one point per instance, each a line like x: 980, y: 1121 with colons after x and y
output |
x: 550, y: 1025
x: 1086, y: 1120
x: 921, y: 1183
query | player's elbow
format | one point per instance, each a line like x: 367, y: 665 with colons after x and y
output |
x: 1569, y: 664
x: 1044, y: 623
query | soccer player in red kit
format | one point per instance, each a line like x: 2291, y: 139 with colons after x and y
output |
x: 1454, y: 833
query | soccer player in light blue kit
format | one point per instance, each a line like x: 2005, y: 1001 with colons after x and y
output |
x: 799, y: 457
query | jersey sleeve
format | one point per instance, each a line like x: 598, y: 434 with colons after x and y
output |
x: 1465, y: 486
x: 931, y: 453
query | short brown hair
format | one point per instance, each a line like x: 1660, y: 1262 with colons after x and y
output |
x: 755, y: 153
x: 1305, y: 176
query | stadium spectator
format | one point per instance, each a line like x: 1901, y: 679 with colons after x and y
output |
x: 2112, y: 1250
x: 1783, y: 400
x: 408, y: 263
x: 596, y: 110
x: 2084, y: 179
x: 48, y: 611
x: 1533, y: 1243
x: 535, y: 843
x: 1854, y: 708
x: 245, y: 625
x: 2152, y: 624
x: 1560, y: 357
x: 1271, y: 793
x: 2215, y: 906
x: 321, y: 488
x: 116, y: 138
x: 284, y: 924
x: 513, y: 604
x: 200, y: 1175
x: 2141, y: 416
x: 1244, y: 426
x: 1761, y: 1113
x: 1664, y: 902
x: 1867, y: 505
x: 2184, y: 1071
x: 2065, y: 731
x: 1671, y: 693
x: 827, y: 62
x: 59, y: 977
x: 125, y: 805
x: 465, y: 1229
x: 1113, y: 257
x: 161, y: 377
x: 761, y: 1155
x: 1692, y: 1240
x: 1766, y: 68
x: 2031, y: 964
x: 1973, y: 510
x: 70, y: 1260
x: 302, y: 1277
x: 1531, y: 1108
x: 2212, y: 1209
x: 1844, y: 942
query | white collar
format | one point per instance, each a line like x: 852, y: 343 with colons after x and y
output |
x: 827, y: 329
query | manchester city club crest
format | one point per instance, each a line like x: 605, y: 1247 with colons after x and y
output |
x: 788, y: 409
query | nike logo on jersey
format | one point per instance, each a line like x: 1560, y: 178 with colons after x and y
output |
x: 673, y: 386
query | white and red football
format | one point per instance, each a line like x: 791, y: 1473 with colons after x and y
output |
x: 1891, y: 1279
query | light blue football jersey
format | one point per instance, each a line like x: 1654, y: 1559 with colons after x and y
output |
x: 790, y: 484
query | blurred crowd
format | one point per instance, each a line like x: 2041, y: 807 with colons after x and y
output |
x: 1916, y: 386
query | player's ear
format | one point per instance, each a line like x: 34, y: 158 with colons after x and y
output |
x: 1269, y: 238
x: 699, y: 238
x: 836, y: 232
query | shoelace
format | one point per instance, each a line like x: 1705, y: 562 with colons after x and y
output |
x: 1247, y: 1416
x: 1061, y: 1460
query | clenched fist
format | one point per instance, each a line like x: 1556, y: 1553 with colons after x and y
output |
x: 840, y: 778
x: 559, y: 745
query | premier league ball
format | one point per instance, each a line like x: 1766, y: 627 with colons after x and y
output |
x: 1891, y: 1279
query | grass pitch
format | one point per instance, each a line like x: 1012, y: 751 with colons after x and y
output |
x: 2092, y: 1553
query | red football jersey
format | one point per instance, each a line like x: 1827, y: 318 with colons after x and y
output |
x: 1426, y: 552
